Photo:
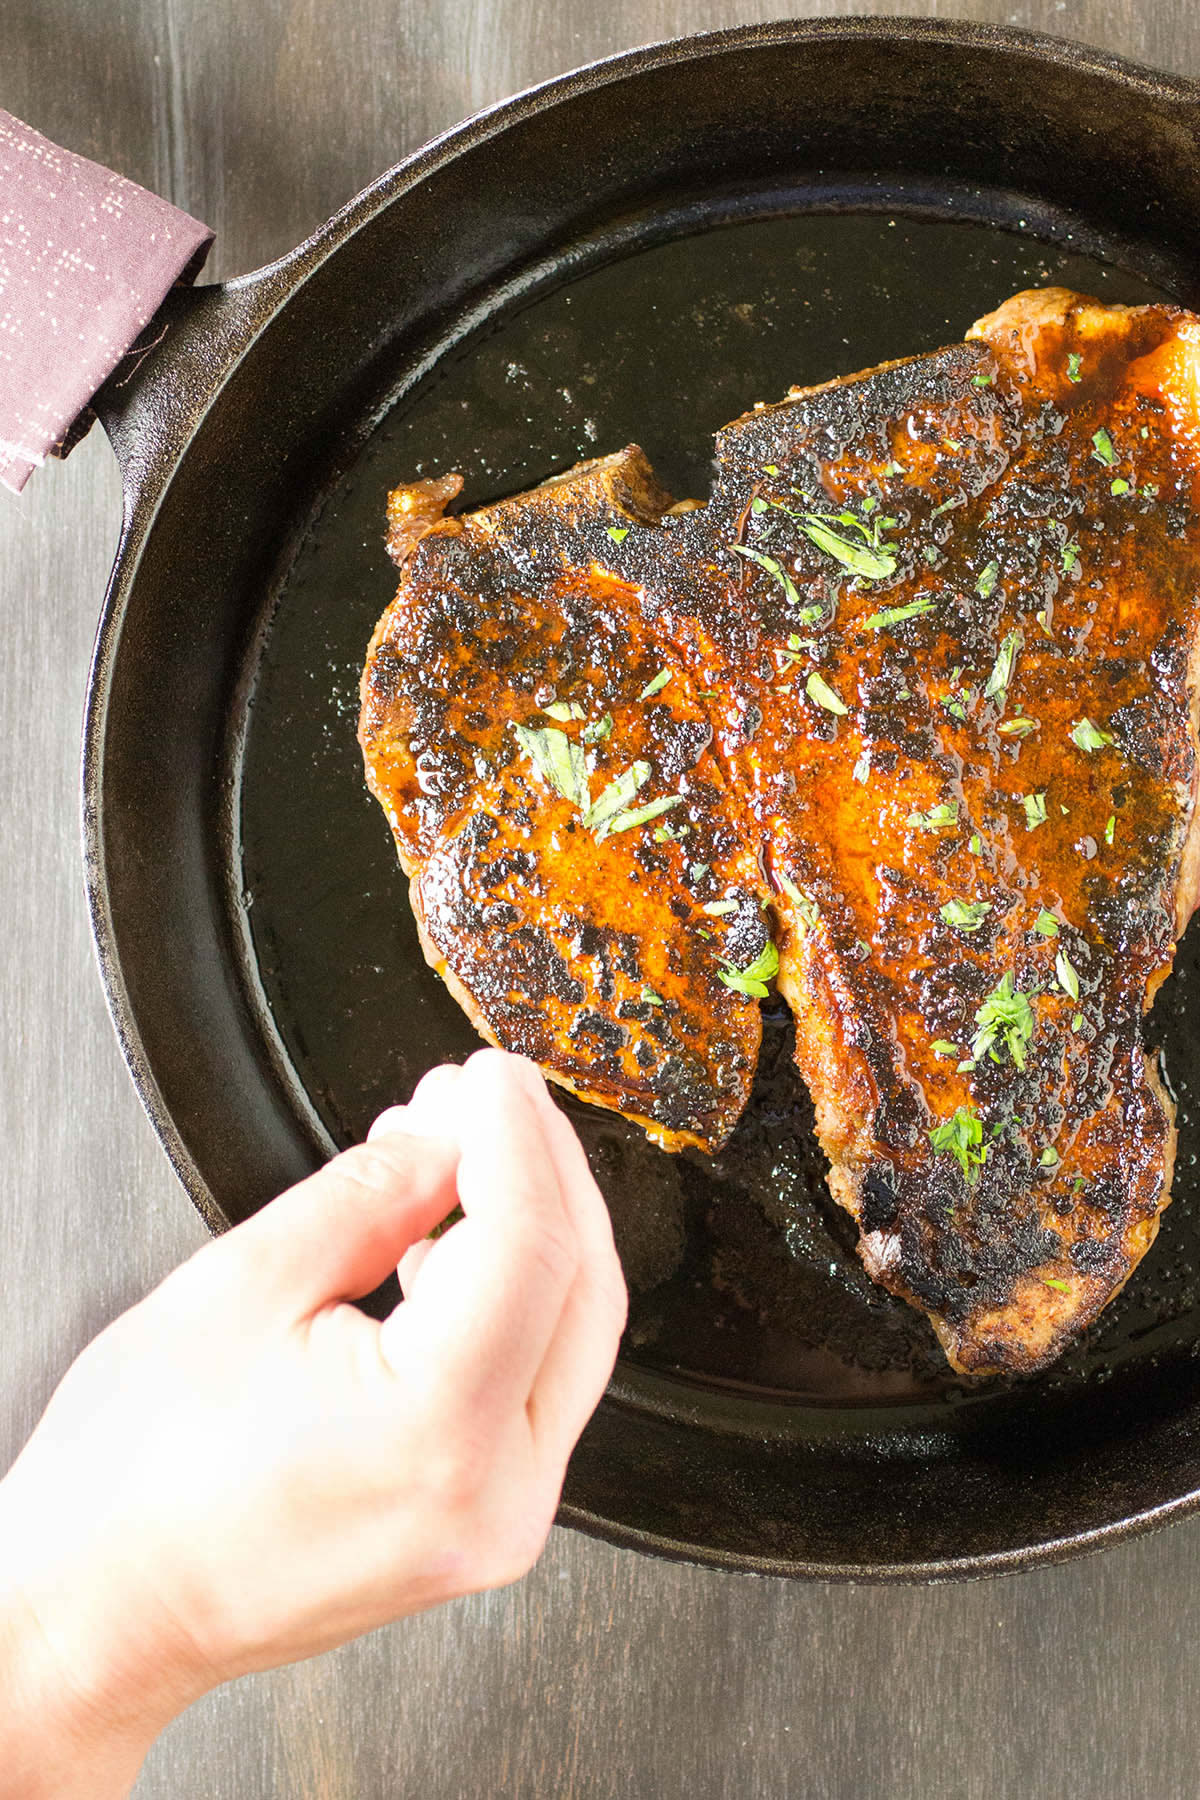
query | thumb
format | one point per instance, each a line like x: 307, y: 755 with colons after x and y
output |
x: 337, y: 1235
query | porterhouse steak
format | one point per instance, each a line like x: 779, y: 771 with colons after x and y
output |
x: 906, y: 714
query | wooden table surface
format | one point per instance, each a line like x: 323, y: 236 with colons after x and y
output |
x: 604, y: 1673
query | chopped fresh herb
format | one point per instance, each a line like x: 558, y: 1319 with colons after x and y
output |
x: 1049, y: 1158
x: 665, y: 834
x: 558, y: 760
x: 1040, y: 616
x: 943, y: 817
x: 862, y: 767
x: 1018, y: 727
x: 804, y: 904
x: 641, y: 815
x: 717, y: 909
x: 656, y: 686
x: 564, y: 710
x: 770, y: 469
x: 697, y: 871
x: 961, y: 1136
x: 618, y: 533
x: 896, y: 615
x: 1103, y: 451
x: 650, y: 998
x: 1110, y: 828
x: 985, y: 587
x: 1068, y: 980
x: 598, y: 730
x: 1004, y: 1019
x: 981, y: 381
x: 1077, y: 1022
x: 1052, y: 1281
x: 758, y: 505
x: 819, y: 691
x: 941, y: 1047
x: 1002, y: 670
x: 932, y: 554
x: 945, y: 506
x: 1089, y: 737
x: 773, y: 568
x: 872, y: 561
x: 615, y: 798
x: 1150, y: 491
x: 966, y: 915
x: 1046, y: 923
x: 1074, y: 366
x: 1035, y: 810
x: 700, y: 932
x: 894, y: 468
x: 1068, y: 556
x: 975, y: 846
x: 752, y: 981
x: 1120, y: 486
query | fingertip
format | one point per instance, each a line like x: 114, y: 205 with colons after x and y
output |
x: 392, y: 1119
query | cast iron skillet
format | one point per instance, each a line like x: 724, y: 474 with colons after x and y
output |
x: 636, y: 251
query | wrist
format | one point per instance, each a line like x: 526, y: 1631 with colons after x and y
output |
x: 84, y: 1686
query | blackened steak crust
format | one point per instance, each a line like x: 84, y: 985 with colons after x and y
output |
x: 910, y: 702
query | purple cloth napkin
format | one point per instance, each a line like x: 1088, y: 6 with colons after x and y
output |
x: 86, y: 258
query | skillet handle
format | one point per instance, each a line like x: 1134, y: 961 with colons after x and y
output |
x: 86, y: 258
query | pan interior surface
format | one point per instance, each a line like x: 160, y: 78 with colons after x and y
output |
x: 752, y: 1323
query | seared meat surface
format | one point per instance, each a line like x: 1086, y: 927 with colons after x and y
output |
x: 909, y: 703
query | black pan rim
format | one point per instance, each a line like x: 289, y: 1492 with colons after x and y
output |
x: 267, y: 290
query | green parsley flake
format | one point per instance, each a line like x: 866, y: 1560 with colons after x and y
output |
x: 1006, y: 1020
x: 819, y: 691
x: 641, y: 815
x: 975, y: 846
x: 1046, y: 923
x: 1068, y: 980
x: 893, y: 468
x: 598, y: 731
x: 966, y: 915
x: 872, y: 561
x: 615, y: 798
x: 1002, y: 670
x: 650, y: 998
x: 932, y: 554
x: 1150, y: 491
x: 1035, y: 810
x: 618, y: 533
x: 1069, y: 556
x: 752, y: 981
x: 718, y: 909
x: 665, y: 834
x: 981, y: 381
x: 1049, y: 1158
x: 1052, y: 1281
x: 862, y: 767
x: 697, y: 871
x: 564, y: 710
x: 985, y: 587
x: 1074, y: 366
x: 939, y: 818
x: 1077, y: 1022
x: 1120, y: 486
x: 961, y: 1136
x: 1103, y: 451
x: 773, y: 568
x: 1018, y: 727
x: 896, y: 615
x: 770, y: 469
x: 558, y: 760
x: 942, y: 1047
x: 1088, y: 736
x: 656, y: 686
x: 1110, y: 828
x: 758, y: 505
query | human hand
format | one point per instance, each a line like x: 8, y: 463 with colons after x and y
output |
x: 244, y: 1469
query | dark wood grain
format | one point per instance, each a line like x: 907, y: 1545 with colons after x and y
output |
x: 604, y: 1674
